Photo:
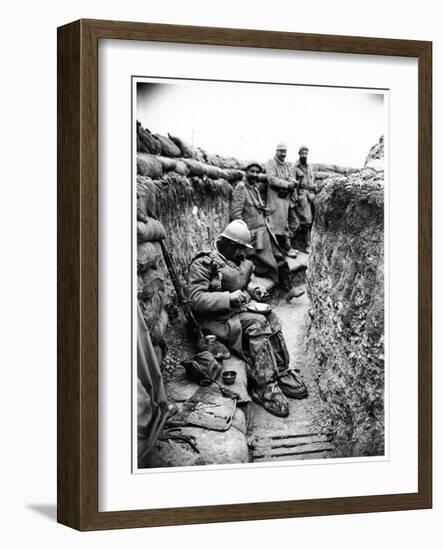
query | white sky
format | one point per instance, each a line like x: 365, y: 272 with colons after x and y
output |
x: 246, y: 121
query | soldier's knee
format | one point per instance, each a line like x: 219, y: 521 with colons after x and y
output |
x: 274, y: 322
x: 260, y: 327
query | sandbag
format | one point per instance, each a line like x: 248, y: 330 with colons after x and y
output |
x: 151, y: 231
x: 151, y: 309
x: 199, y: 154
x: 174, y: 185
x: 214, y: 160
x: 322, y: 175
x: 149, y: 165
x: 228, y: 163
x: 146, y: 197
x: 214, y: 172
x: 233, y: 175
x: 223, y: 162
x: 335, y: 168
x: 153, y: 296
x: 168, y: 164
x: 344, y: 170
x: 186, y: 150
x: 319, y: 167
x: 147, y: 256
x: 169, y: 148
x: 146, y: 142
x: 195, y: 167
x: 181, y: 168
x: 158, y: 329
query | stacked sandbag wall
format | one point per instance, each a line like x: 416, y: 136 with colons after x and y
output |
x: 346, y: 288
x: 192, y: 191
x: 151, y: 268
x: 322, y: 173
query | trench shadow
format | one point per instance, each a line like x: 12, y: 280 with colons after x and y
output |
x: 49, y: 511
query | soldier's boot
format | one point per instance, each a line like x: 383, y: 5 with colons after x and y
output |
x: 285, y: 277
x: 272, y: 399
x: 289, y: 251
x: 292, y: 385
x: 289, y: 381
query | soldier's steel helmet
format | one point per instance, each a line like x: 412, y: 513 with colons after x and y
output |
x: 253, y: 163
x: 281, y: 146
x: 237, y: 231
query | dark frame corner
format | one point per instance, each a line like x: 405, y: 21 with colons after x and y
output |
x: 77, y: 317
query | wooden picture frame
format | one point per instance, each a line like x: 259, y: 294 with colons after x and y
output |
x: 78, y: 273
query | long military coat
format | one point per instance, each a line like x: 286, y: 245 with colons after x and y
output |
x: 278, y: 195
x: 247, y: 205
x: 299, y: 171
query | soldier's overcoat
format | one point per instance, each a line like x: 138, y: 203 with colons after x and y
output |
x: 247, y: 205
x: 278, y: 201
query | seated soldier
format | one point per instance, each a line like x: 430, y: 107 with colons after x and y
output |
x: 221, y: 283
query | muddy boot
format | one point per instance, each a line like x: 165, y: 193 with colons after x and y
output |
x: 292, y: 385
x: 285, y: 246
x: 271, y: 398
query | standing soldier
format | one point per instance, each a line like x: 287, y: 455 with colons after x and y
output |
x: 305, y: 195
x: 281, y: 184
x: 247, y: 205
x: 303, y: 170
x: 221, y: 284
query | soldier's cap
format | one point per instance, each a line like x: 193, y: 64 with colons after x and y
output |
x: 281, y: 145
x: 237, y: 231
x: 303, y: 148
x: 253, y: 163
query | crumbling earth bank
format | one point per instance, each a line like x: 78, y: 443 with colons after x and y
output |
x: 346, y: 289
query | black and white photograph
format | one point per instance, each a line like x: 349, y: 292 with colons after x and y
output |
x: 259, y: 268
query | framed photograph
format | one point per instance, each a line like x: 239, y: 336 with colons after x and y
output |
x: 244, y: 274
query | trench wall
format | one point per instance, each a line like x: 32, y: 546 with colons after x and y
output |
x: 346, y: 288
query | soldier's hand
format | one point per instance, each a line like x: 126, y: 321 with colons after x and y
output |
x: 237, y: 298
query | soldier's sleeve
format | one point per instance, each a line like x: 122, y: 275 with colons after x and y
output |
x: 238, y: 202
x: 202, y: 299
x: 311, y: 185
x: 273, y: 179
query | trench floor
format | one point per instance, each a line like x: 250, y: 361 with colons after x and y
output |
x: 293, y: 438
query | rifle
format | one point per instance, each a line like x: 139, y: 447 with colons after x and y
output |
x: 182, y: 299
